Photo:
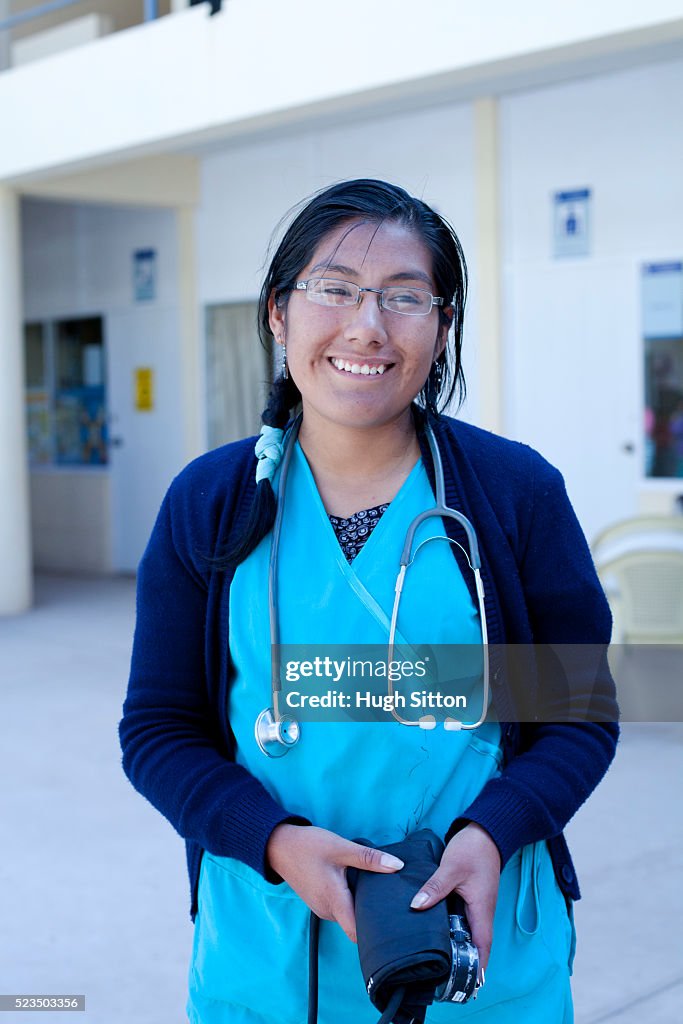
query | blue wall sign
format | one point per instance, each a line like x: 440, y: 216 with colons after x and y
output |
x: 572, y: 223
x: 663, y: 300
x: 144, y: 275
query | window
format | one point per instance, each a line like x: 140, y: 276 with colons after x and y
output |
x: 238, y: 372
x: 662, y: 306
x: 664, y: 407
x: 66, y: 393
x: 37, y: 396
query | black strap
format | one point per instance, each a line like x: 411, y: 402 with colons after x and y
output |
x: 313, y: 935
x: 392, y: 1007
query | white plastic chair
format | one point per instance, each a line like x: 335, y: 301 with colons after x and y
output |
x: 640, y: 565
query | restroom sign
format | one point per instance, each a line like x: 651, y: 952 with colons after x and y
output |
x: 572, y: 223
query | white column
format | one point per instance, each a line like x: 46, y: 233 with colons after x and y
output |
x: 4, y: 36
x: 15, y: 527
x: 488, y: 263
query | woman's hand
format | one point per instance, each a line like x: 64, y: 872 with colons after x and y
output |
x: 314, y: 861
x: 471, y: 866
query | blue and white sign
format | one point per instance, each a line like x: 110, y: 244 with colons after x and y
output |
x: 663, y: 300
x: 144, y: 275
x: 572, y: 223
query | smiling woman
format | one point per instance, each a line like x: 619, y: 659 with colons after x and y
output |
x: 296, y: 538
x: 390, y: 339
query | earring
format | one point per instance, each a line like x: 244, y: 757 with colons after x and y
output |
x: 285, y: 371
x: 433, y: 387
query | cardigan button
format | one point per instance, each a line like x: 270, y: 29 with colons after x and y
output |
x: 567, y: 873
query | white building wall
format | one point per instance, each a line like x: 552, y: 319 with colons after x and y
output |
x: 77, y: 257
x: 260, y: 61
x: 78, y: 262
x: 246, y: 190
x: 572, y: 327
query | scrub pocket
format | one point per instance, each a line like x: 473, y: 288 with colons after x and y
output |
x: 249, y: 937
x: 527, y: 977
x: 572, y: 950
x: 487, y: 747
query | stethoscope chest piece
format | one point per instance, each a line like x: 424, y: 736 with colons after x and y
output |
x: 276, y: 736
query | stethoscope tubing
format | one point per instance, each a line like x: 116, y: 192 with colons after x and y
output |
x: 276, y: 733
x: 276, y: 685
x: 408, y: 557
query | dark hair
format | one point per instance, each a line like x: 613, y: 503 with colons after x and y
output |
x: 374, y: 202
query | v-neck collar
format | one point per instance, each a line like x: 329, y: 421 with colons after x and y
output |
x: 384, y: 524
x: 350, y: 571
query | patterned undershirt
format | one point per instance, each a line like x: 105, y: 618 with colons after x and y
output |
x: 353, y: 532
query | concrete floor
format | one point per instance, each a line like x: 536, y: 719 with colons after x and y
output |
x: 94, y: 893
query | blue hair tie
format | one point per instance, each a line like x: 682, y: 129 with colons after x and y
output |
x: 269, y: 449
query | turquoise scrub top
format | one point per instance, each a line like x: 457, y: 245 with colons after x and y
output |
x: 375, y: 779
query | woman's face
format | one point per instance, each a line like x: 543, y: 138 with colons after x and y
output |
x: 394, y: 352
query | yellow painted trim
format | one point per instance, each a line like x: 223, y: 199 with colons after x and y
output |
x: 190, y: 334
x: 488, y: 291
x: 171, y: 180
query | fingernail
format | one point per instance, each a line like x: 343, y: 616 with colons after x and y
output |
x: 419, y: 900
x: 387, y: 861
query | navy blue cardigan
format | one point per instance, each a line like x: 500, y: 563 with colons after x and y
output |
x: 540, y: 587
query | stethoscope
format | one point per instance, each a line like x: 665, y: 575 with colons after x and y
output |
x: 277, y: 733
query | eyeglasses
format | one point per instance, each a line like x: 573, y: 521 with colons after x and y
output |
x: 325, y: 291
